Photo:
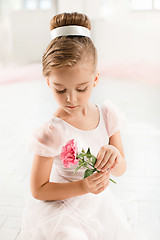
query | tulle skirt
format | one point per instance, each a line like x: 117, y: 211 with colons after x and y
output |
x: 86, y: 217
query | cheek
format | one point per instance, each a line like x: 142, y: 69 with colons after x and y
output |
x: 59, y: 97
x: 87, y: 94
x: 83, y: 97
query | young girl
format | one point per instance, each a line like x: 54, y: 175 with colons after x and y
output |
x: 63, y: 205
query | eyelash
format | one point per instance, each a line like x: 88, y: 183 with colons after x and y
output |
x: 63, y: 91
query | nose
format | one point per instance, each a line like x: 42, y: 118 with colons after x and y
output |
x: 71, y: 97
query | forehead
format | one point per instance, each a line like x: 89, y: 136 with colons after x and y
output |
x: 76, y: 76
x: 58, y: 84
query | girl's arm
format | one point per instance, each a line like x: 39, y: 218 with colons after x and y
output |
x: 116, y: 141
x: 42, y: 189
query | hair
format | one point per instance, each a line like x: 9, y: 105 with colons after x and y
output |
x: 67, y: 51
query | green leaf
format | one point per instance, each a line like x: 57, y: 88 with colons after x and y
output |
x: 77, y: 169
x: 88, y: 151
x: 80, y: 155
x: 88, y: 155
x: 80, y: 161
x: 83, y: 150
x: 88, y: 172
x: 94, y: 160
x: 85, y: 164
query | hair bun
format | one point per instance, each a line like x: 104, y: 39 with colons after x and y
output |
x: 74, y: 18
x: 67, y: 50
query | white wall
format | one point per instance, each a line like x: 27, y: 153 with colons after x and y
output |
x: 30, y: 34
x: 128, y: 43
x: 133, y: 37
x: 122, y: 37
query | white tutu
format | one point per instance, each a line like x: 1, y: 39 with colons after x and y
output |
x: 85, y: 217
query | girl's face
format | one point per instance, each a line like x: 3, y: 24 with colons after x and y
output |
x: 72, y: 87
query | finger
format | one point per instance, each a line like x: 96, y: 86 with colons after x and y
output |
x: 101, y: 155
x: 99, y: 159
x: 115, y: 164
x: 105, y: 159
x: 101, y: 179
x: 106, y: 173
x: 102, y: 149
x: 97, y: 175
x: 110, y: 162
x: 104, y: 176
x: 103, y: 187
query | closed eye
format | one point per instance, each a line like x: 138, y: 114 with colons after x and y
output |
x: 82, y: 90
x: 79, y: 90
x: 63, y: 91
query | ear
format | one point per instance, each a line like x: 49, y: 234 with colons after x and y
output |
x: 47, y: 79
x: 96, y: 79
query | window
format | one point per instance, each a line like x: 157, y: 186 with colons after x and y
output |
x: 106, y: 9
x: 157, y: 4
x: 30, y: 4
x: 45, y: 4
x: 33, y: 4
x: 145, y: 5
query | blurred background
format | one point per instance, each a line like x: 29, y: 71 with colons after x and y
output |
x: 127, y: 37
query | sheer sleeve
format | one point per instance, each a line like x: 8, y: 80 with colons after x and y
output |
x: 114, y: 118
x: 45, y: 140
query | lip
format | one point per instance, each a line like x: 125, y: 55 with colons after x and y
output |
x: 72, y: 107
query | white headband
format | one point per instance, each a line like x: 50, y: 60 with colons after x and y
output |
x: 70, y: 30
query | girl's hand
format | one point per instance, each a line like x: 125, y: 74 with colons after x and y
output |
x: 96, y: 182
x: 107, y: 158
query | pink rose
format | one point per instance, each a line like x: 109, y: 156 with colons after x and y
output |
x: 69, y: 153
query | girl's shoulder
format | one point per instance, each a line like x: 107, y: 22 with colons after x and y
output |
x: 46, y: 139
x: 115, y: 119
x: 109, y: 108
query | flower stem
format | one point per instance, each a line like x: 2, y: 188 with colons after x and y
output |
x: 112, y: 180
x: 90, y: 164
x: 96, y: 169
